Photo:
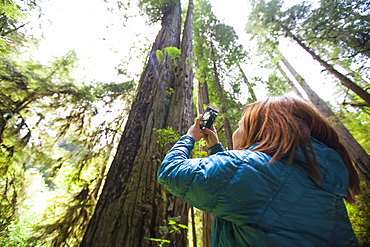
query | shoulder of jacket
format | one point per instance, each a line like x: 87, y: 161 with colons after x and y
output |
x: 240, y: 159
x: 252, y: 157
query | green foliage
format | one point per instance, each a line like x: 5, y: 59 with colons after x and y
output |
x: 219, y: 59
x: 11, y: 10
x: 159, y: 55
x: 155, y: 9
x: 9, y: 201
x: 10, y: 21
x: 63, y: 131
x: 343, y: 24
x: 262, y: 20
x: 359, y: 214
x: 277, y: 86
x: 171, y: 53
x: 218, y: 54
x: 357, y: 121
x: 198, y: 151
x: 171, y: 227
x: 169, y: 92
x: 160, y: 242
x: 35, y: 193
x: 166, y: 136
x: 336, y: 30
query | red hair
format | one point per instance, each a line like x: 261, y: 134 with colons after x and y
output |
x: 281, y: 124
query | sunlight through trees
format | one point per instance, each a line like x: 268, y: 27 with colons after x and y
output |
x: 82, y: 133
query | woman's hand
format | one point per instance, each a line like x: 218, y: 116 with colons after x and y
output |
x: 209, y: 135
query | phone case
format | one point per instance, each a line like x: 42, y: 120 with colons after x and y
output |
x: 209, y: 116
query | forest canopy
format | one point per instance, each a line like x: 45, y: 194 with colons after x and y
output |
x: 79, y: 80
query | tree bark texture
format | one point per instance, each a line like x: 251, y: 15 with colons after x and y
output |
x: 208, y: 220
x: 132, y: 205
x: 359, y: 156
x: 181, y: 113
x: 342, y: 78
x: 180, y: 117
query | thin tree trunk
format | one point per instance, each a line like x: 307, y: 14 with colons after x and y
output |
x: 246, y: 81
x: 203, y: 100
x: 353, y: 74
x: 203, y: 95
x: 132, y: 205
x: 358, y: 154
x: 343, y: 79
x: 207, y: 219
x: 193, y: 226
x: 225, y: 120
x: 291, y: 83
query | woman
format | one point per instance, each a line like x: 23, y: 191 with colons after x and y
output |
x: 283, y: 185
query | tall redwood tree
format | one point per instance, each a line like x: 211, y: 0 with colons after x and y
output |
x: 133, y: 206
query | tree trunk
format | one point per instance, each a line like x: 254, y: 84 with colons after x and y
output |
x: 225, y: 120
x: 343, y: 79
x: 181, y: 114
x: 181, y: 109
x: 291, y: 84
x: 132, y: 205
x: 278, y: 66
x: 207, y: 219
x: 194, y: 231
x: 250, y: 86
x: 203, y: 95
x: 203, y: 100
x: 356, y: 76
x: 358, y: 154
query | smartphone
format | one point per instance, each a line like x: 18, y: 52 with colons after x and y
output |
x: 209, y: 116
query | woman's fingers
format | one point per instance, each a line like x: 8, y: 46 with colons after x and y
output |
x: 197, y: 121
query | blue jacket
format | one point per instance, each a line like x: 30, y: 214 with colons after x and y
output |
x: 260, y: 204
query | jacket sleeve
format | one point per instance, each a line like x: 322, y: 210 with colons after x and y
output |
x: 199, y: 181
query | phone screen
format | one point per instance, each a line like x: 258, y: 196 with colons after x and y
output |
x: 209, y: 116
